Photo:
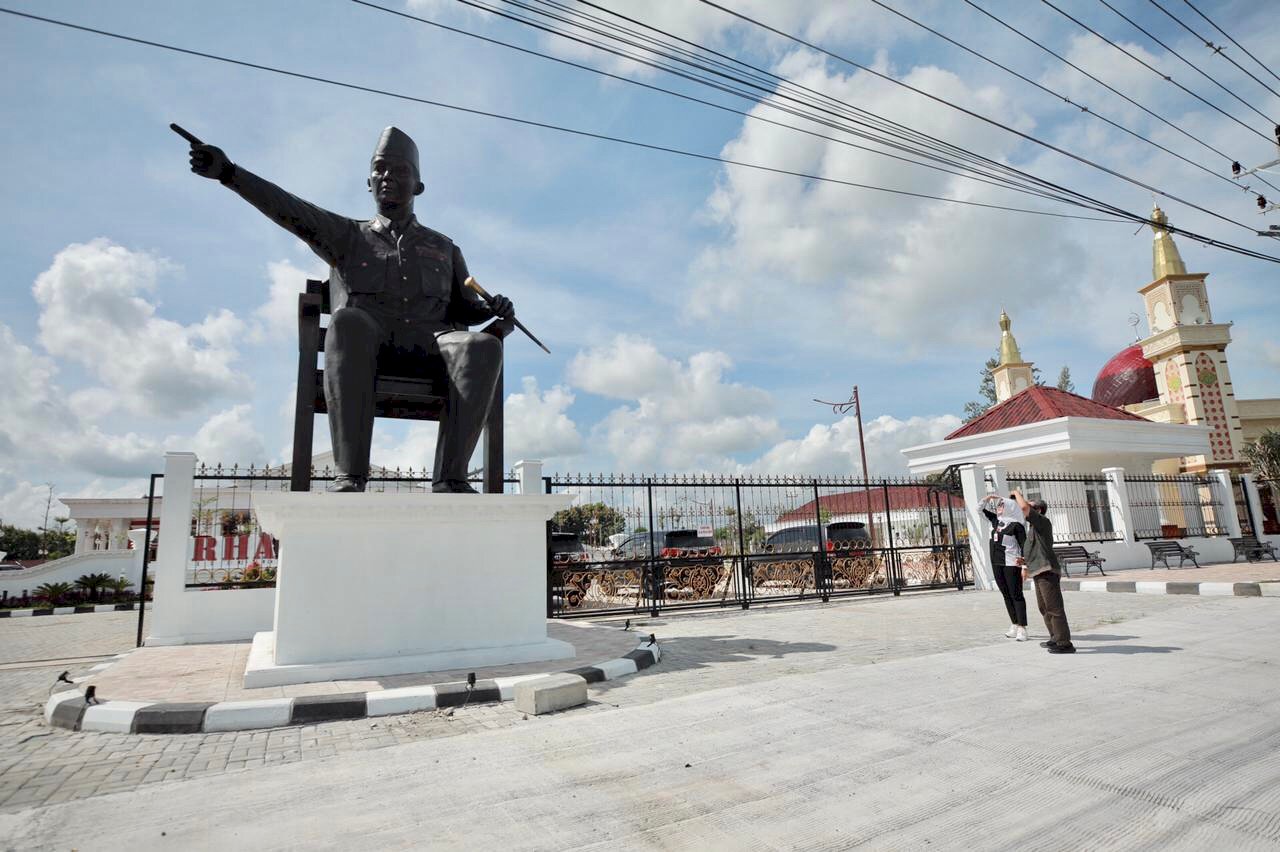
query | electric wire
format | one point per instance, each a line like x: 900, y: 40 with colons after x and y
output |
x: 781, y: 80
x: 713, y: 105
x: 973, y: 114
x: 1059, y: 96
x: 559, y: 128
x: 1228, y: 37
x: 1151, y: 68
x: 1198, y: 140
x: 1213, y: 47
x: 1184, y: 60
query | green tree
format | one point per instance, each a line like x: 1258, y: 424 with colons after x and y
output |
x: 19, y: 543
x: 1064, y: 380
x: 593, y: 522
x: 1263, y: 455
x: 53, y: 592
x: 93, y: 584
x: 752, y: 531
x: 120, y: 586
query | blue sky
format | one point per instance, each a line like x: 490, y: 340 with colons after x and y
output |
x: 693, y: 309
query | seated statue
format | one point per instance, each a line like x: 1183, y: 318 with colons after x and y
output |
x: 397, y: 295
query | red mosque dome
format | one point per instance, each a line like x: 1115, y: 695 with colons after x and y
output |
x: 1126, y: 379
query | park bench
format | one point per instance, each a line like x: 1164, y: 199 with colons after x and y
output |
x: 1162, y: 550
x: 416, y: 397
x: 1252, y: 549
x: 1077, y: 555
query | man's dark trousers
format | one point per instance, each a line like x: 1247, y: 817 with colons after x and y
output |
x: 1009, y: 582
x: 1049, y: 599
x: 358, y: 340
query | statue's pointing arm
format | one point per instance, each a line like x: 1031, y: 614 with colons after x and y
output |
x: 328, y: 234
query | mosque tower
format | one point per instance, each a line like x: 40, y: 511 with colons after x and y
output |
x: 1012, y: 375
x: 1187, y: 352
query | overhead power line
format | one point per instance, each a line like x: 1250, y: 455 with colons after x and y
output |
x: 1184, y: 60
x: 1264, y: 66
x: 1064, y: 60
x: 1151, y: 68
x: 548, y: 126
x: 1213, y: 47
x: 986, y: 119
x: 1057, y: 95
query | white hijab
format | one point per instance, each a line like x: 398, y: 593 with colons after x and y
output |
x: 1010, y: 512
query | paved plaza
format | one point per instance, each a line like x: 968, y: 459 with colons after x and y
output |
x: 888, y: 723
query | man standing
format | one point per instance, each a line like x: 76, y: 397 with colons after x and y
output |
x: 1041, y: 564
x: 397, y: 294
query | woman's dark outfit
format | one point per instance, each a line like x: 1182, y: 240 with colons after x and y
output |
x: 1008, y: 577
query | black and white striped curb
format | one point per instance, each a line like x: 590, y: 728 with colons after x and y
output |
x: 1172, y: 587
x: 70, y: 710
x: 68, y: 610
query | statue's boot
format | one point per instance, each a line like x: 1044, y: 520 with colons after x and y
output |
x: 473, y: 362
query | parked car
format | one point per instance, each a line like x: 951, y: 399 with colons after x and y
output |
x: 567, y: 547
x: 667, y: 544
x: 780, y: 564
x: 837, y: 536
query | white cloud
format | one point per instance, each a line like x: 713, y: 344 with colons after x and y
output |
x: 94, y: 312
x: 537, y: 425
x: 230, y: 437
x: 684, y: 416
x: 833, y: 449
x: 277, y: 317
x: 22, y: 503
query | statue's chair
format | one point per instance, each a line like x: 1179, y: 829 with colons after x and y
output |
x: 396, y: 397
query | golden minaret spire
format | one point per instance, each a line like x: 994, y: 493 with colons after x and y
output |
x: 1165, y: 259
x: 1009, y: 353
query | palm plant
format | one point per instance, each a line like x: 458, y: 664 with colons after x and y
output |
x: 119, y: 586
x: 53, y: 592
x: 93, y: 584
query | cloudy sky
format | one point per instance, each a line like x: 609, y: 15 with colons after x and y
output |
x: 694, y: 309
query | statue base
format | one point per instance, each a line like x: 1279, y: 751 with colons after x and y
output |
x: 382, y: 584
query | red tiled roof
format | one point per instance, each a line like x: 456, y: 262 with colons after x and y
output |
x: 1037, y: 404
x: 901, y: 498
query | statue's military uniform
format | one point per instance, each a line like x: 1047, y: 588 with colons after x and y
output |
x: 397, y: 297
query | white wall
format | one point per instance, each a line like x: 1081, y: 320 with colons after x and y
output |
x: 69, y: 568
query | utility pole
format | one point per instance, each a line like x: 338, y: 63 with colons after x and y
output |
x: 44, y: 528
x: 854, y: 404
x: 1273, y: 167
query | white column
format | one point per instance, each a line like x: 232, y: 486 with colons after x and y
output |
x: 999, y: 476
x: 170, y: 566
x: 529, y: 472
x: 84, y: 536
x: 134, y: 572
x: 1228, y: 517
x: 1255, y: 503
x: 974, y: 489
x: 119, y: 534
x: 1118, y: 497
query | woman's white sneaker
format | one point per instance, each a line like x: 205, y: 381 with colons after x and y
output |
x: 1021, y: 635
x: 1011, y: 632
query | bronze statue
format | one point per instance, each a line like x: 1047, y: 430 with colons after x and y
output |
x: 398, y: 295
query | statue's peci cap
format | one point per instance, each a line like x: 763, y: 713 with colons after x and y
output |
x: 394, y: 142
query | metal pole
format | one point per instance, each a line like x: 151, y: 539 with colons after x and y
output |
x: 654, y: 579
x: 146, y: 556
x: 744, y: 569
x: 866, y: 476
x: 820, y: 555
x: 891, y: 549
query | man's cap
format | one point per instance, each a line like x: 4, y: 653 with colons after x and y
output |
x: 394, y: 142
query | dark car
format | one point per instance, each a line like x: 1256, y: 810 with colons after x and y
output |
x: 690, y: 564
x: 569, y: 586
x: 838, y: 536
x: 566, y: 547
x: 667, y: 544
x: 787, y: 561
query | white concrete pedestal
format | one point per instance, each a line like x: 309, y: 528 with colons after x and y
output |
x: 380, y: 584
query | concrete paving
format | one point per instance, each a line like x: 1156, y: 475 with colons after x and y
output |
x: 882, y: 724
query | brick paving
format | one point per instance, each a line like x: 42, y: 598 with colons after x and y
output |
x: 40, y: 765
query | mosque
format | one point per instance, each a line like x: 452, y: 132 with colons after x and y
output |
x: 1163, y: 405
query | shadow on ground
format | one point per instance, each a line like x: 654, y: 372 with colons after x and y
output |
x: 1129, y: 649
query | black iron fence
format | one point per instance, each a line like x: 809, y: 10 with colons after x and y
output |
x: 1181, y: 506
x: 1249, y: 526
x: 229, y: 550
x: 1269, y: 500
x: 1080, y: 505
x: 653, y: 544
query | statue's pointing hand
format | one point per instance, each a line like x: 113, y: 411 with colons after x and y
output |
x: 209, y: 161
x: 501, y: 306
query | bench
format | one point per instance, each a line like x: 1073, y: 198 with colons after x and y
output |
x: 1162, y: 550
x: 419, y: 397
x: 1077, y: 555
x: 1252, y: 549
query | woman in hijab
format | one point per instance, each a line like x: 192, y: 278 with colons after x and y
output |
x: 1008, y: 537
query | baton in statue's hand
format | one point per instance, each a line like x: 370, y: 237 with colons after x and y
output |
x: 474, y: 285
